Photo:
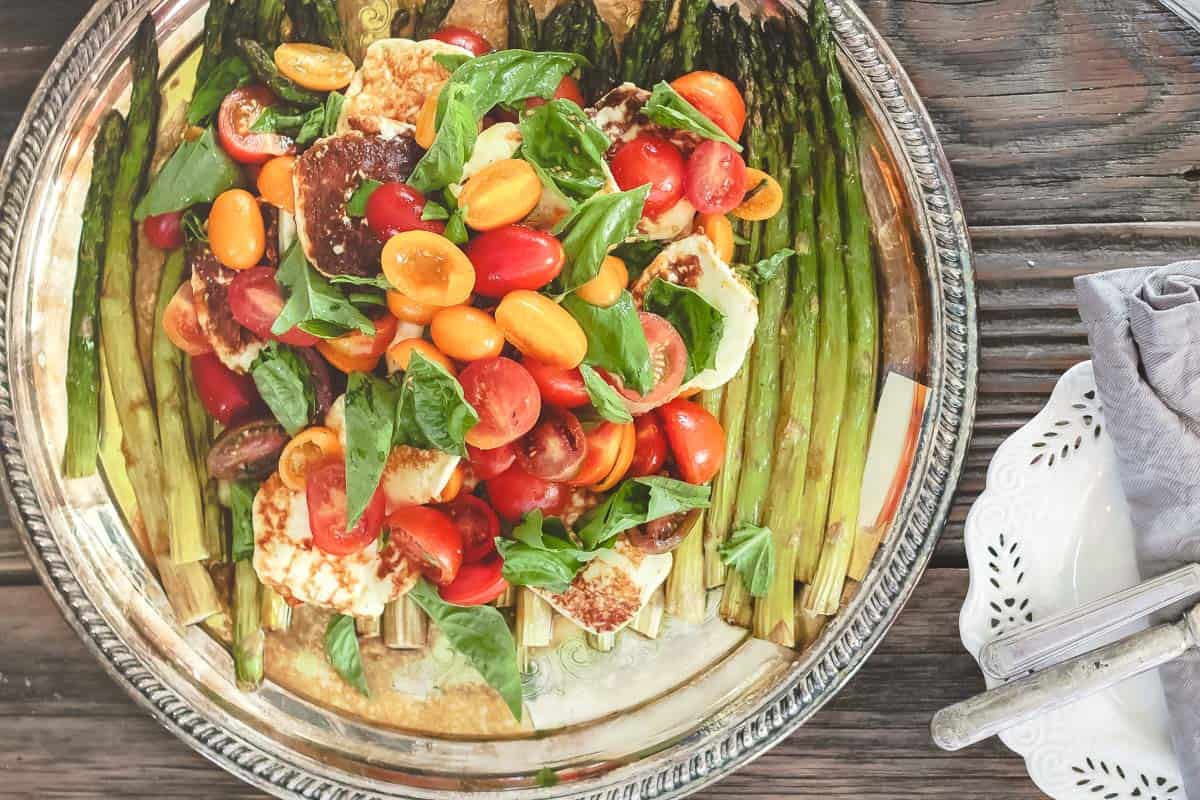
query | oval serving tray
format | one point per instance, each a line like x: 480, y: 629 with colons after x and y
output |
x: 666, y: 746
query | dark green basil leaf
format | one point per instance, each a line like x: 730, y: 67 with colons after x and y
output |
x: 591, y: 230
x: 434, y: 211
x: 637, y: 255
x: 451, y: 61
x: 604, y: 398
x: 566, y: 144
x: 241, y: 505
x: 370, y: 422
x: 635, y: 502
x: 443, y: 162
x: 284, y: 382
x: 456, y: 227
x: 341, y: 648
x: 699, y: 322
x: 751, y: 551
x: 276, y: 119
x: 482, y: 635
x: 541, y: 553
x: 333, y: 110
x: 196, y: 172
x: 372, y: 281
x: 226, y: 76
x: 367, y: 298
x: 312, y: 125
x: 313, y: 303
x: 765, y: 269
x: 433, y: 413
x: 668, y: 108
x: 616, y: 341
x: 356, y: 206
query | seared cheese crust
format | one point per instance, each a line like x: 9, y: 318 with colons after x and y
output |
x: 395, y: 78
x: 233, y: 344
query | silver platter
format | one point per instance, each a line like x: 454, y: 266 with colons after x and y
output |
x: 675, y: 743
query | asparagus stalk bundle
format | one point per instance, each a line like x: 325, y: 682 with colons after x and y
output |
x: 243, y: 19
x: 599, y: 48
x: 262, y: 65
x: 268, y: 23
x: 213, y: 49
x: 643, y: 41
x: 691, y: 12
x: 534, y: 627
x: 601, y: 642
x: 405, y: 626
x: 249, y: 641
x: 686, y: 595
x: 215, y: 533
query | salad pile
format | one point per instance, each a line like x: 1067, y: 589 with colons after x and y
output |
x: 461, y: 334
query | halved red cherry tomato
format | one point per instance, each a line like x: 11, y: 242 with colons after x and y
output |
x: 358, y: 352
x: 653, y: 160
x: 395, y: 207
x: 668, y: 361
x: 504, y: 395
x: 716, y: 178
x: 429, y: 538
x: 465, y: 38
x: 490, y: 463
x: 568, y: 89
x: 514, y: 257
x: 555, y: 448
x: 716, y: 97
x: 325, y: 493
x: 476, y: 583
x: 697, y: 440
x: 227, y: 396
x: 164, y: 231
x: 239, y: 110
x: 603, y: 447
x: 650, y: 452
x: 515, y: 493
x: 255, y: 302
x: 181, y: 325
x: 558, y: 386
x: 478, y: 525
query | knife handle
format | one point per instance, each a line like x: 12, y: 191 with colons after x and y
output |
x: 999, y: 709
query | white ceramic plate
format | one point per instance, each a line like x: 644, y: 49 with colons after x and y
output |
x: 1051, y: 531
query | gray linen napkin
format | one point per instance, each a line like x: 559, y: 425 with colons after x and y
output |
x: 1144, y: 329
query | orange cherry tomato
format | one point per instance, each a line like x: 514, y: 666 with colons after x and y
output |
x: 428, y: 268
x: 236, y: 232
x: 500, y: 194
x: 275, y: 183
x: 540, y: 328
x: 605, y: 289
x: 357, y: 351
x: 314, y: 66
x: 716, y: 97
x: 764, y: 197
x: 719, y: 231
x: 308, y: 448
x: 181, y: 324
x: 453, y: 486
x: 466, y: 333
x: 696, y: 438
x: 603, y: 447
x: 427, y: 118
x: 398, y: 355
x: 406, y: 309
x: 624, y: 459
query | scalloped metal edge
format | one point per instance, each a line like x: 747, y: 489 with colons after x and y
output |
x: 953, y: 373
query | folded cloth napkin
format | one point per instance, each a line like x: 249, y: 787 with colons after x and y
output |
x: 1144, y: 329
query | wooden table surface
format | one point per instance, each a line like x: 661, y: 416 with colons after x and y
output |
x: 1073, y: 127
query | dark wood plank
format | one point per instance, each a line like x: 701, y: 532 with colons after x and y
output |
x: 54, y: 699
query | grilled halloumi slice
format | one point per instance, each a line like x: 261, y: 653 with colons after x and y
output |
x: 232, y: 343
x: 391, y: 85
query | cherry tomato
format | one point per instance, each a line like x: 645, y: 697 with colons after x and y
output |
x: 314, y: 66
x: 226, y: 395
x: 697, y: 440
x: 453, y: 486
x: 716, y: 97
x: 514, y: 257
x: 466, y: 333
x: 555, y: 448
x: 668, y: 360
x: 325, y: 492
x: 274, y: 182
x: 504, y: 395
x: 476, y: 583
x: 356, y: 351
x: 605, y: 289
x: 465, y: 38
x: 406, y: 309
x: 164, y: 231
x: 255, y: 302
x: 603, y: 448
x: 650, y: 452
x: 764, y: 197
x: 427, y: 267
x: 239, y: 110
x: 308, y: 449
x: 568, y: 89
x: 541, y: 328
x: 395, y: 207
x: 400, y: 353
x: 653, y: 160
x: 502, y: 193
x: 478, y: 525
x: 181, y: 325
x: 664, y: 534
x: 430, y: 538
x: 514, y: 493
x: 558, y: 386
x: 716, y: 178
x: 490, y: 463
x: 237, y: 232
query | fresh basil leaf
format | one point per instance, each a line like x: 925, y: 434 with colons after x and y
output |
x: 636, y: 502
x: 356, y: 206
x: 563, y: 141
x: 434, y: 211
x: 668, y: 108
x: 591, y: 230
x: 616, y: 341
x: 764, y: 270
x: 457, y: 130
x: 313, y: 303
x: 333, y: 110
x: 284, y: 382
x: 341, y: 648
x: 481, y: 634
x: 433, y: 413
x: 370, y: 422
x: 451, y: 61
x: 373, y: 281
x: 275, y: 119
x: 541, y: 553
x: 751, y: 551
x: 370, y: 298
x: 241, y: 505
x: 195, y: 226
x: 226, y: 76
x: 604, y: 398
x: 699, y: 323
x: 312, y: 124
x: 196, y: 172
x: 638, y: 255
x: 456, y: 227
